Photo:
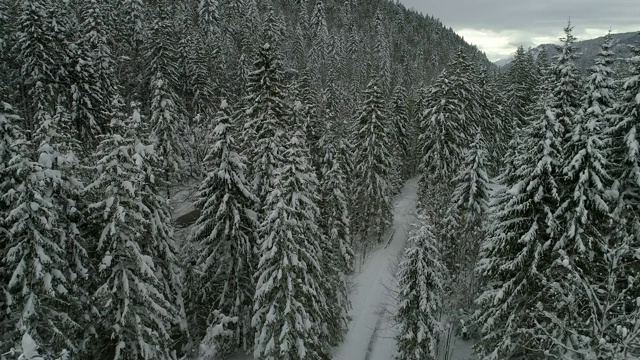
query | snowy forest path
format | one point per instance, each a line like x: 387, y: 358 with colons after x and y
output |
x: 370, y: 335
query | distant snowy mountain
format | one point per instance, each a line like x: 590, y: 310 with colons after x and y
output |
x: 588, y: 48
x: 503, y: 62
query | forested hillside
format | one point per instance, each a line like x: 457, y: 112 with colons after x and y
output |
x: 299, y: 122
x: 299, y: 118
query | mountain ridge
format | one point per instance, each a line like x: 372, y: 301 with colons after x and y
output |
x: 588, y: 49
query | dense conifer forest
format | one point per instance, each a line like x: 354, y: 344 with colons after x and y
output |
x: 299, y: 121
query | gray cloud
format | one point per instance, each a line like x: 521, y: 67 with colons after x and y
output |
x: 499, y: 26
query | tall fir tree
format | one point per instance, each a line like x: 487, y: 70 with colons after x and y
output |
x: 373, y: 159
x: 43, y: 257
x: 450, y: 119
x: 401, y: 137
x: 584, y: 212
x: 136, y: 309
x: 622, y: 265
x: 226, y: 236
x: 166, y: 120
x: 467, y: 213
x: 582, y: 215
x: 420, y: 281
x: 289, y: 299
x: 624, y: 140
x: 11, y: 142
x: 515, y: 256
x: 92, y: 74
x: 209, y: 16
x: 264, y: 113
x: 335, y: 224
x: 567, y: 84
x: 521, y: 89
x: 166, y: 107
x: 318, y: 53
x: 40, y: 61
x: 12, y: 146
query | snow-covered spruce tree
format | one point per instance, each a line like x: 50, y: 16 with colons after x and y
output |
x: 128, y: 22
x: 209, y: 17
x: 39, y: 58
x: 196, y: 86
x: 166, y: 109
x: 382, y: 53
x: 612, y: 331
x: 225, y: 234
x: 12, y: 148
x: 625, y: 141
x: 373, y: 161
x: 11, y: 140
x: 473, y: 187
x: 264, y: 112
x: 449, y: 121
x: 567, y: 86
x: 584, y: 214
x: 167, y: 262
x: 133, y: 23
x: 289, y: 300
x: 42, y: 259
x: 314, y: 114
x: 166, y: 120
x: 400, y: 122
x: 624, y: 144
x: 516, y: 253
x: 420, y: 280
x: 497, y: 131
x: 335, y: 224
x: 92, y: 75
x: 318, y: 52
x: 521, y: 89
x: 134, y: 307
x: 469, y: 205
x: 582, y: 217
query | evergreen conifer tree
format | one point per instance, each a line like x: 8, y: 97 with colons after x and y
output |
x: 167, y: 122
x: 584, y: 212
x: 450, y: 119
x: 621, y: 266
x: 226, y: 237
x: 516, y: 254
x: 567, y: 88
x: 373, y: 161
x: 400, y: 123
x: 36, y: 51
x: 92, y: 75
x: 264, y: 115
x: 625, y: 141
x: 209, y: 16
x: 468, y: 208
x: 419, y: 297
x: 335, y: 223
x: 522, y: 88
x: 289, y: 300
x: 132, y: 297
x: 43, y: 258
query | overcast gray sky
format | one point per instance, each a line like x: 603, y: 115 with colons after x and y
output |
x: 498, y: 27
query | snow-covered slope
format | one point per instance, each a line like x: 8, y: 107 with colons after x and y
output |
x: 370, y: 333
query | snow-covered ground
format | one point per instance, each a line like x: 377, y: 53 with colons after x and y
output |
x: 371, y: 333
